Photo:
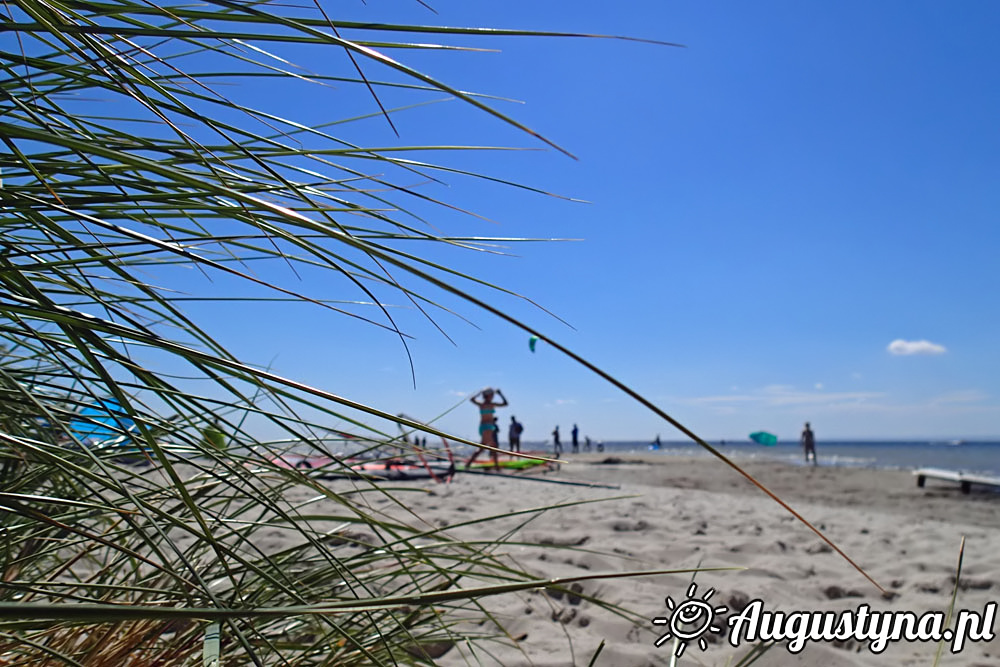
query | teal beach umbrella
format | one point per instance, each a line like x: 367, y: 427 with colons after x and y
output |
x: 764, y: 438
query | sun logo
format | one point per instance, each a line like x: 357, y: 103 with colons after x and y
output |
x: 689, y: 620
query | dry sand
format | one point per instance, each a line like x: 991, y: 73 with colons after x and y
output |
x: 688, y: 512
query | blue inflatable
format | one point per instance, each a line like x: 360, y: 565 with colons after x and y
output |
x: 106, y: 422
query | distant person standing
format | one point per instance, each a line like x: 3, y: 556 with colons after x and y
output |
x: 555, y: 441
x: 514, y: 434
x: 809, y: 443
x: 586, y: 444
x: 576, y: 439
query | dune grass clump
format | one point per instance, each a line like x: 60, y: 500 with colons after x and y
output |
x: 137, y: 183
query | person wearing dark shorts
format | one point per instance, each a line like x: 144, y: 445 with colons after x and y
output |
x: 809, y: 444
x: 514, y: 434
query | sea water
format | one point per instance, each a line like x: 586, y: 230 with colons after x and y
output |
x: 966, y: 456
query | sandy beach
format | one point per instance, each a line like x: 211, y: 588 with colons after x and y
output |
x: 686, y: 513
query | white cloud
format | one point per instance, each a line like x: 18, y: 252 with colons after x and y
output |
x: 784, y: 396
x: 819, y: 386
x: 963, y: 396
x: 906, y: 347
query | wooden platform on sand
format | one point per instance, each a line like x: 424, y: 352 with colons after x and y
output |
x: 964, y: 480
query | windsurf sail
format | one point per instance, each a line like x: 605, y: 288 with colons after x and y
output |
x: 512, y: 463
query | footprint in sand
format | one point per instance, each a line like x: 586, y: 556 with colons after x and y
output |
x: 973, y: 584
x: 629, y: 526
x: 836, y: 593
x: 819, y: 548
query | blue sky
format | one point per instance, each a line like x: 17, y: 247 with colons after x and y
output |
x: 771, y: 208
